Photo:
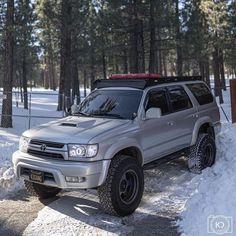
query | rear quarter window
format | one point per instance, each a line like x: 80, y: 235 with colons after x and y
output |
x: 201, y: 92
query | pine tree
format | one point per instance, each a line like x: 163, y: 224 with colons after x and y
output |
x: 6, y: 119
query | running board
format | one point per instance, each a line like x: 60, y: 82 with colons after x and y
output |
x: 164, y: 160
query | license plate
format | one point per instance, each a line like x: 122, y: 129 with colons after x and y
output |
x: 36, y: 176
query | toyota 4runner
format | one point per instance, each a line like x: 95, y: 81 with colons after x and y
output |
x: 127, y: 122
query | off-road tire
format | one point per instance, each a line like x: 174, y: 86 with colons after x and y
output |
x: 41, y: 191
x: 110, y: 192
x: 202, y: 154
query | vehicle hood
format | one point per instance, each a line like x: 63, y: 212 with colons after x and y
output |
x: 74, y: 129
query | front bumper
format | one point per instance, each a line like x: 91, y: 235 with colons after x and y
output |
x: 93, y: 173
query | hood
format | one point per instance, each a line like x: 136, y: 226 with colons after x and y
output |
x: 74, y: 129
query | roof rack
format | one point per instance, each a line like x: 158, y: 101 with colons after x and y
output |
x: 135, y: 76
x: 142, y: 83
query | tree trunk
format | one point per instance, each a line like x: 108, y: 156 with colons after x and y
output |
x: 92, y: 67
x: 140, y: 47
x: 202, y: 69
x: 6, y: 119
x: 64, y: 99
x: 207, y: 73
x: 132, y: 54
x: 75, y: 77
x: 125, y: 62
x: 136, y: 55
x: 153, y: 49
x: 218, y: 90
x: 46, y: 82
x: 51, y: 69
x: 85, y: 82
x: 24, y: 79
x: 222, y: 70
x: 104, y: 65
x: 178, y: 41
x: 164, y: 64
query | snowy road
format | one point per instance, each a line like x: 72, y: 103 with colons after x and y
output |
x: 17, y: 212
x: 167, y: 187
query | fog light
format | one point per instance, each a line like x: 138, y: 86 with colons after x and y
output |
x: 75, y: 179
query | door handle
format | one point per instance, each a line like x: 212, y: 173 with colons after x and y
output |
x: 170, y: 123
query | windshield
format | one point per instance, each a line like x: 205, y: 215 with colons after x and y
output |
x: 120, y: 104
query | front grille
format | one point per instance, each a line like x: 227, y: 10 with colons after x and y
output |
x: 45, y: 154
x: 48, y: 144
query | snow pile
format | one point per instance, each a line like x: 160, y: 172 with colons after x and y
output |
x: 8, y: 181
x: 216, y: 193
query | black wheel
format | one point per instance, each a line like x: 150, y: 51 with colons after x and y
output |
x: 123, y: 189
x: 202, y: 154
x: 41, y: 191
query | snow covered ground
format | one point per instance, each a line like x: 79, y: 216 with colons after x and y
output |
x: 212, y: 206
x: 43, y: 103
x: 167, y: 187
x: 170, y: 190
x: 211, y: 209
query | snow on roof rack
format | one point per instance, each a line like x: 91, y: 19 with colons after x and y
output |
x: 140, y: 82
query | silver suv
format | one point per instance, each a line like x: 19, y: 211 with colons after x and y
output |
x: 123, y: 125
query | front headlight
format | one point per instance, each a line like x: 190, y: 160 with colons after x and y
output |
x: 79, y: 150
x: 23, y: 144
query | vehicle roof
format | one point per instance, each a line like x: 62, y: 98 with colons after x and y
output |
x: 140, y: 83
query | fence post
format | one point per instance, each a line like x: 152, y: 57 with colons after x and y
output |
x: 63, y: 104
x: 233, y: 99
x: 29, y: 116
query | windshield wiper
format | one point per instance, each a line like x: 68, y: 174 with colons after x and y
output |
x: 109, y: 115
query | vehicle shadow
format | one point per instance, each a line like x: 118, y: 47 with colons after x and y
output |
x: 88, y: 211
x: 164, y: 196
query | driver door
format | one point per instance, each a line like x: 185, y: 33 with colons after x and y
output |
x: 155, y: 133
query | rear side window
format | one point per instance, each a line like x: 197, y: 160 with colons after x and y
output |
x: 157, y: 99
x: 201, y: 93
x: 179, y: 99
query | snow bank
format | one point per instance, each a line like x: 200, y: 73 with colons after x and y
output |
x: 216, y: 193
x: 43, y: 103
x: 8, y: 181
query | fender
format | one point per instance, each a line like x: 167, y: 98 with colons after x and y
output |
x: 120, y: 145
x: 198, y: 124
x: 112, y: 151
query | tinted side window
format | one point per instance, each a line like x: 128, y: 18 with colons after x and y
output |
x: 179, y: 99
x: 157, y: 99
x: 201, y: 93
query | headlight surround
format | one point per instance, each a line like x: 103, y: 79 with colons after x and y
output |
x: 23, y: 144
x: 82, y: 150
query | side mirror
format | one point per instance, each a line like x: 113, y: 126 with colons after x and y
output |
x: 74, y: 108
x: 153, y: 113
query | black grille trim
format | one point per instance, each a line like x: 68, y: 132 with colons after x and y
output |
x: 45, y: 154
x: 47, y: 175
x: 48, y: 144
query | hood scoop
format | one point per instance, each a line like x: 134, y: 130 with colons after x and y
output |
x: 69, y: 124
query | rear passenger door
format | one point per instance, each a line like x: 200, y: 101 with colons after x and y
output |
x: 182, y: 119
